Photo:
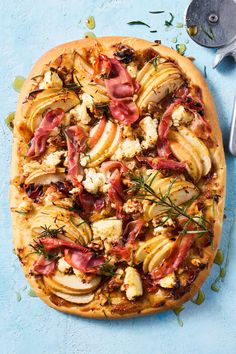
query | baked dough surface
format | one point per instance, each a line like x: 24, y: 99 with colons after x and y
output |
x: 118, y: 306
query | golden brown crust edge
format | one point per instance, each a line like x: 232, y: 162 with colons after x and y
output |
x: 19, y: 221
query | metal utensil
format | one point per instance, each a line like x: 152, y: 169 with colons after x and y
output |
x: 212, y: 23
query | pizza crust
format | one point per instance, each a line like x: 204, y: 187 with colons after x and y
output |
x: 21, y: 224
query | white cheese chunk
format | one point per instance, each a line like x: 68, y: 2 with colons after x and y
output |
x: 109, y: 229
x: 54, y: 158
x: 127, y: 149
x: 62, y: 265
x: 93, y: 181
x: 149, y: 128
x: 168, y: 282
x: 181, y: 116
x: 51, y: 80
x: 30, y: 167
x: 80, y: 112
x: 132, y: 283
x: 133, y: 206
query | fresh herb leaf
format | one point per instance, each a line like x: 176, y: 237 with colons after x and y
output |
x: 156, y: 12
x: 107, y: 268
x: 209, y: 33
x: 153, y: 31
x: 132, y: 23
x: 205, y: 71
x: 48, y: 231
x: 155, y: 62
x: 170, y: 22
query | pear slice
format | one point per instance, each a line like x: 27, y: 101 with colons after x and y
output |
x: 146, y: 247
x: 101, y: 150
x: 153, y: 252
x: 199, y: 147
x: 109, y: 151
x: 184, y: 151
x: 73, y: 282
x: 160, y: 255
x: 76, y: 299
x: 45, y: 177
x: 50, y: 283
x: 147, y: 67
x: 65, y: 99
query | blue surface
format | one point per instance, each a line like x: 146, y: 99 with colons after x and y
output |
x: 28, y: 29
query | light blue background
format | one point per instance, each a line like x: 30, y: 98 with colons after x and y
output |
x: 27, y: 29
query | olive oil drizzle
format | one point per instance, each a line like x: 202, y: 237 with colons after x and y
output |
x: 177, y: 312
x: 18, y: 83
x: 200, y: 298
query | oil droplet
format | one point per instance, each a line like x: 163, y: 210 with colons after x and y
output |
x: 9, y: 120
x: 18, y: 296
x: 174, y: 40
x: 192, y: 30
x: 179, y: 25
x: 89, y: 35
x: 31, y: 293
x: 214, y: 287
x: 200, y: 298
x: 18, y: 83
x: 177, y: 312
x: 181, y: 48
x: 222, y: 272
x: 90, y: 22
x: 219, y: 258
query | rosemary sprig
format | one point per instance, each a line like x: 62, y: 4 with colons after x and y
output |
x: 107, y: 268
x: 51, y: 232
x: 132, y: 23
x: 39, y: 249
x: 173, y: 211
x: 170, y: 22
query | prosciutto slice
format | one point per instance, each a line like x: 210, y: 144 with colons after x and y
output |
x: 162, y: 163
x: 45, y: 266
x: 120, y: 88
x: 55, y: 243
x: 85, y: 262
x: 51, y: 120
x: 116, y: 193
x: 76, y: 142
x: 92, y: 141
x: 111, y: 165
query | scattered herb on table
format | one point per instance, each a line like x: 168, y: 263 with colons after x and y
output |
x: 156, y: 12
x: 170, y: 22
x: 153, y: 31
x: 141, y: 23
x: 205, y: 71
x: 209, y: 33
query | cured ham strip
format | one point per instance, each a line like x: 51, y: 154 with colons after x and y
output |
x: 120, y: 87
x: 51, y: 120
x: 162, y: 163
x: 92, y: 141
x: 55, y: 243
x: 115, y: 192
x: 132, y: 231
x: 111, y: 165
x: 85, y: 262
x: 45, y: 266
x: 76, y: 139
x: 177, y: 256
x: 125, y: 111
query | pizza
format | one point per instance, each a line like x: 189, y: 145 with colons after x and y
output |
x: 118, y: 178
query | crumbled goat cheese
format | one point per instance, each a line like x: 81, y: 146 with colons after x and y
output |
x: 132, y: 283
x: 168, y: 282
x: 133, y: 206
x: 149, y: 128
x: 109, y: 229
x: 54, y: 158
x: 181, y: 116
x: 94, y: 180
x: 80, y: 112
x: 63, y: 266
x: 127, y: 149
x: 84, y: 159
x: 51, y: 80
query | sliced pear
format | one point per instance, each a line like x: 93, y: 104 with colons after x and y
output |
x: 50, y: 283
x: 109, y: 151
x: 153, y: 252
x: 45, y: 177
x: 160, y: 91
x: 73, y: 282
x: 183, y: 151
x: 147, y: 67
x: 159, y: 256
x: 76, y: 299
x: 65, y: 99
x: 199, y: 147
x: 146, y: 247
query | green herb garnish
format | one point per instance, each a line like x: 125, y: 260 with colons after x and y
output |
x: 170, y: 22
x: 132, y: 23
x: 156, y: 12
x: 107, y: 269
x: 209, y: 33
x: 205, y: 72
x: 48, y: 231
x: 155, y: 62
